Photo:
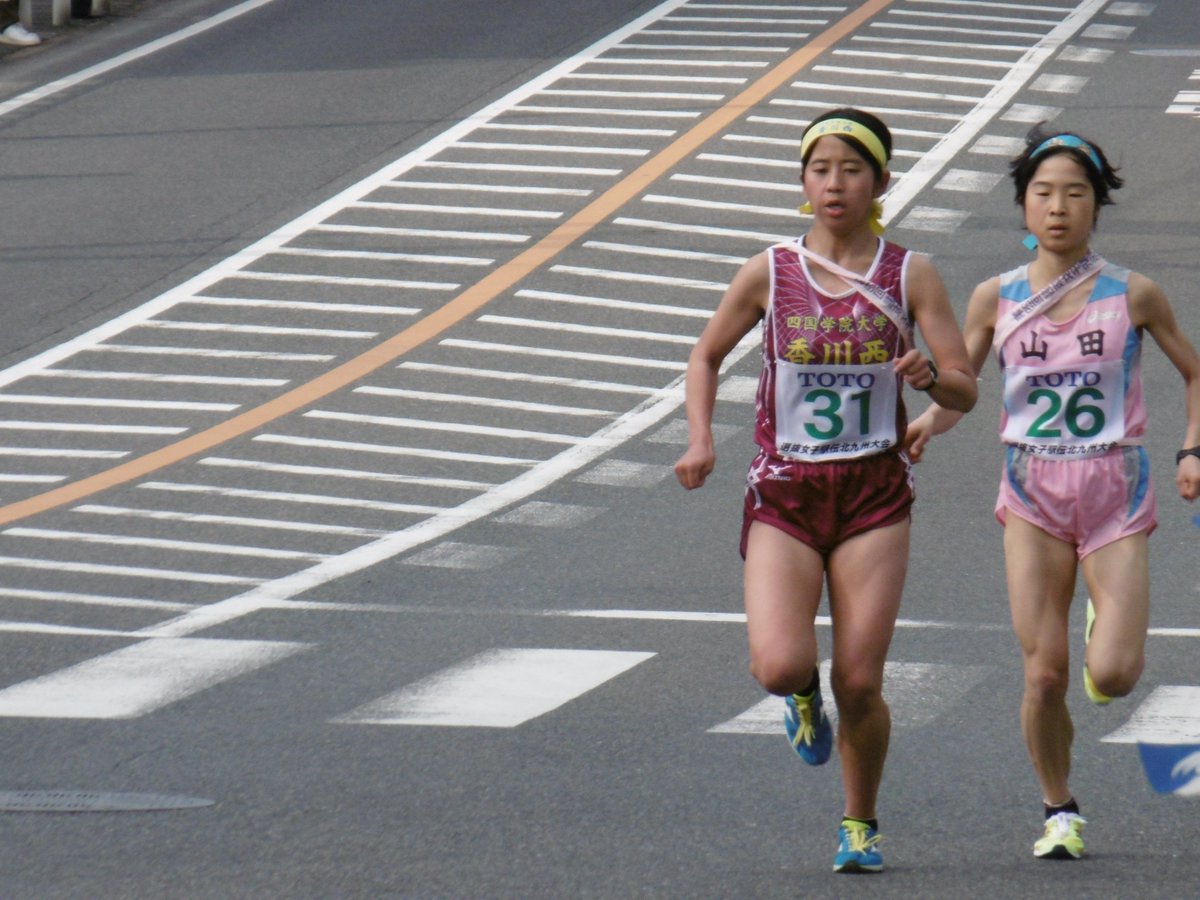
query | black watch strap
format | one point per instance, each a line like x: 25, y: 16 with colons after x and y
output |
x: 933, y: 372
x: 1190, y: 451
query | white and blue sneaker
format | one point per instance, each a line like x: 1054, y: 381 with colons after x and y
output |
x: 808, y: 727
x: 859, y: 848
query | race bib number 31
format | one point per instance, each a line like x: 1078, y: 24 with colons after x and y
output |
x: 834, y: 412
x: 1074, y: 408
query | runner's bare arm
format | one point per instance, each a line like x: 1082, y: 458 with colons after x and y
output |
x: 741, y: 307
x: 978, y: 329
x: 930, y: 307
x: 1149, y: 309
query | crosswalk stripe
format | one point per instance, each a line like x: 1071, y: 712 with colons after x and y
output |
x: 1170, y: 715
x: 497, y: 689
x: 135, y: 680
x: 916, y: 692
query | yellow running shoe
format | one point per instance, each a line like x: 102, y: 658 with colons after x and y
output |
x: 1089, y: 686
x: 1063, y: 837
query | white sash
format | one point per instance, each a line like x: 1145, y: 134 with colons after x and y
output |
x: 1045, y: 298
x: 886, y: 303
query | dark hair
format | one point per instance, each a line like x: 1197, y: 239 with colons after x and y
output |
x: 1102, y: 180
x: 871, y: 122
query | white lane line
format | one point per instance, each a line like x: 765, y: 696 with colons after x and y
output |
x: 58, y: 565
x: 638, y: 95
x: 537, y: 168
x: 348, y: 281
x: 889, y: 111
x: 163, y: 515
x: 116, y: 403
x: 89, y: 427
x: 497, y: 689
x: 62, y: 453
x: 353, y: 474
x: 207, y: 353
x: 609, y: 303
x: 389, y: 256
x: 388, y: 231
x: 369, y: 309
x: 387, y: 450
x: 443, y: 209
x: 900, y: 75
x: 509, y: 375
x: 1170, y: 715
x: 887, y: 91
x: 916, y: 692
x: 416, y: 509
x: 573, y: 129
x: 656, y: 79
x: 690, y: 63
x: 459, y: 428
x: 774, y: 212
x: 570, y: 355
x: 776, y: 35
x: 664, y: 252
x: 523, y: 189
x: 640, y: 278
x: 62, y: 84
x: 710, y: 48
x: 952, y: 45
x: 274, y: 330
x: 159, y: 378
x: 139, y: 679
x: 18, y: 478
x: 922, y: 58
x: 712, y: 230
x: 549, y: 148
x: 606, y: 111
x: 568, y: 327
x: 119, y: 540
x: 92, y: 599
x: 476, y: 400
x: 774, y: 187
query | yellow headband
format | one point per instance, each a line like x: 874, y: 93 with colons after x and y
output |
x: 847, y: 128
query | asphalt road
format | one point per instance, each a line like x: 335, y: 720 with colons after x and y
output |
x: 416, y: 631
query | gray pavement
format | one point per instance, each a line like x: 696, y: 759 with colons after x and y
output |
x: 271, y: 622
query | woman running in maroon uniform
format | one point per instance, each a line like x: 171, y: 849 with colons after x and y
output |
x: 828, y: 497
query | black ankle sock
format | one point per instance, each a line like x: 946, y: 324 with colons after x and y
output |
x: 1069, y: 807
x: 813, y: 684
x: 870, y: 823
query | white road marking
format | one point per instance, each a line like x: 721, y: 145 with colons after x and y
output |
x: 540, y: 514
x: 416, y: 509
x: 497, y: 689
x: 235, y: 521
x: 121, y: 540
x: 388, y: 450
x: 916, y: 692
x: 139, y: 679
x: 624, y: 473
x: 456, y: 555
x: 1170, y: 715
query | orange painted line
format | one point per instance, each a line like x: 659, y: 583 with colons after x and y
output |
x: 466, y: 303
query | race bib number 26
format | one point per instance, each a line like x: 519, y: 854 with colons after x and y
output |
x: 1085, y: 406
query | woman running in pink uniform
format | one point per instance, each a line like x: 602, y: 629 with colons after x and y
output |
x: 1067, y: 331
x: 829, y: 494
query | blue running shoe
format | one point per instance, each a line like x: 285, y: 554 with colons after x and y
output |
x: 808, y: 728
x: 859, y: 848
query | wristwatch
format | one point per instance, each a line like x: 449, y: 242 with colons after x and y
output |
x: 933, y: 373
x: 1190, y: 451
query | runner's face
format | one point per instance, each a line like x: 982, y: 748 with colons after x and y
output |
x: 1060, y: 205
x: 840, y: 185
